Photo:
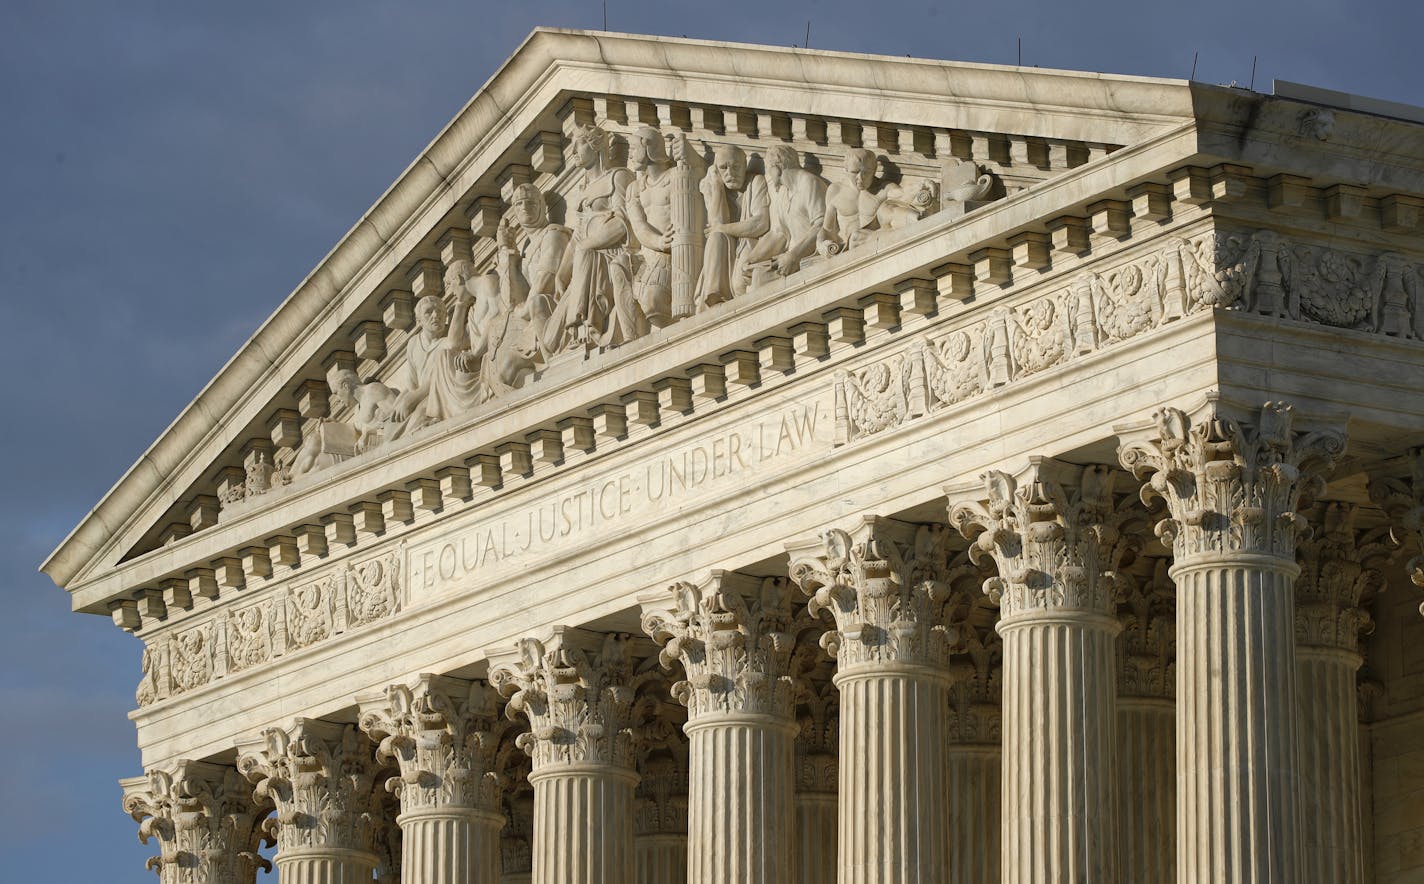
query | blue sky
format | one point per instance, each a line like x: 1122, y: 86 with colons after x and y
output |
x: 172, y: 169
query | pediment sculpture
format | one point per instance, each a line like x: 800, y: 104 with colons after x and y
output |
x: 676, y: 229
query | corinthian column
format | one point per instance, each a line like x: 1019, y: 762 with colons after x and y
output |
x: 817, y: 738
x: 731, y: 636
x: 443, y: 733
x: 321, y: 776
x: 207, y: 825
x: 1232, y: 492
x: 1057, y: 549
x: 1336, y: 572
x: 575, y: 691
x: 1147, y: 726
x: 974, y: 726
x: 885, y: 585
x: 660, y: 805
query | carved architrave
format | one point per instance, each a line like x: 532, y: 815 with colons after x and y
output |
x: 1057, y: 538
x: 576, y: 691
x: 208, y: 826
x: 1229, y: 486
x: 731, y: 636
x: 886, y: 583
x: 322, y: 777
x: 444, y: 734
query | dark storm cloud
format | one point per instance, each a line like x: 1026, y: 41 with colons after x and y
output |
x: 172, y: 170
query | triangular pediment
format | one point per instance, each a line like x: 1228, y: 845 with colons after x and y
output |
x: 326, y: 388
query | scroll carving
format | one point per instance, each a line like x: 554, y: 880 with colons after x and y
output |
x: 207, y: 825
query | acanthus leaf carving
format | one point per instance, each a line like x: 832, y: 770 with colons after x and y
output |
x: 1339, y: 576
x: 577, y: 694
x: 887, y: 587
x: 1231, y: 486
x: 322, y: 778
x: 207, y: 825
x: 731, y: 637
x: 444, y: 734
x: 1147, y: 646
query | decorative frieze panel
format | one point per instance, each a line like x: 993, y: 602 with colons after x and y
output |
x: 300, y: 615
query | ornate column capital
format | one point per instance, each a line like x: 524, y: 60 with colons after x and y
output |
x: 1339, y: 570
x: 1056, y: 535
x: 1402, y: 499
x: 321, y: 776
x: 1231, y: 487
x: 576, y: 690
x: 660, y: 800
x: 207, y: 825
x: 443, y: 733
x: 817, y: 710
x: 887, y: 584
x: 976, y: 696
x: 732, y: 636
x: 1147, y: 647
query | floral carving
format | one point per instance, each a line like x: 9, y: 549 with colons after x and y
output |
x: 207, y: 825
x: 1339, y: 575
x: 1040, y: 335
x: 153, y: 685
x: 321, y: 777
x: 660, y: 801
x: 444, y: 734
x: 577, y: 694
x: 373, y: 589
x: 732, y: 638
x: 311, y: 612
x: 975, y: 704
x: 1231, y: 486
x: 817, y: 711
x: 1057, y: 538
x: 878, y: 396
x: 887, y: 586
x: 1147, y: 646
x: 192, y: 658
x: 955, y: 367
x: 249, y: 636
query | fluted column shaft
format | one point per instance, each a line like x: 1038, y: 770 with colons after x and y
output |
x: 740, y: 799
x: 893, y: 786
x: 1236, y: 751
x: 1330, y: 766
x: 324, y: 865
x: 1059, y: 731
x: 973, y: 780
x: 449, y: 845
x: 816, y: 825
x: 583, y: 831
x: 661, y: 859
x: 1147, y: 796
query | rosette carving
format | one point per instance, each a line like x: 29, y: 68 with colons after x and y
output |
x: 577, y: 694
x: 732, y: 636
x: 444, y: 734
x: 321, y: 777
x: 887, y: 586
x: 1232, y: 487
x: 1147, y: 646
x: 207, y: 825
x: 1057, y: 537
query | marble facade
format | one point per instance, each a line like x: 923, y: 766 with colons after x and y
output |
x: 723, y: 463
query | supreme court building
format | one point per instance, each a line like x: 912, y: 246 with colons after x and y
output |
x: 733, y: 464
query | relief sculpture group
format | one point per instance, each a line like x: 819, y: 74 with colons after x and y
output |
x: 658, y: 228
